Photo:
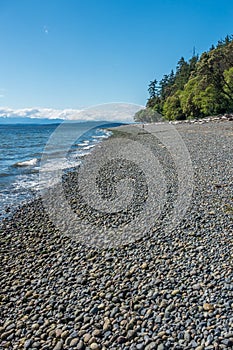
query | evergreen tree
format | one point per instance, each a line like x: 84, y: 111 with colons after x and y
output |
x: 182, y: 74
x: 199, y: 87
x: 152, y: 89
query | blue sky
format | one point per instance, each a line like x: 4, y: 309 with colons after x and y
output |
x: 77, y: 53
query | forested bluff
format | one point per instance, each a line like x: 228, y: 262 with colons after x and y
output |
x: 199, y: 87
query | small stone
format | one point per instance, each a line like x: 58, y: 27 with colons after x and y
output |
x: 65, y: 334
x: 94, y: 346
x: 187, y: 336
x: 193, y: 344
x: 228, y: 335
x: 29, y: 293
x: 108, y: 296
x: 58, y: 332
x: 108, y: 284
x: 136, y: 307
x: 74, y: 342
x: 169, y: 308
x: 121, y: 339
x: 226, y: 342
x: 160, y: 347
x: 129, y: 325
x: 107, y: 325
x: 86, y: 337
x: 10, y: 326
x: 24, y: 318
x: 74, y: 334
x: 196, y: 286
x: 144, y: 266
x: 52, y: 333
x: 107, y: 334
x: 114, y: 311
x: 130, y: 272
x: 92, y: 340
x: 175, y: 292
x: 161, y: 334
x: 7, y: 345
x: 209, y: 339
x: 27, y: 343
x: 80, y: 345
x: 6, y: 324
x: 208, y: 307
x: 6, y: 334
x: 96, y: 333
x: 152, y: 346
x: 59, y: 345
x: 94, y: 310
x: 35, y: 326
x: 131, y: 334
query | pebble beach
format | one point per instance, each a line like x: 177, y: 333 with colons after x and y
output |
x: 161, y: 291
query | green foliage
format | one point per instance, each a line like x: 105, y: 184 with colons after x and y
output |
x: 199, y: 87
x: 228, y: 86
x: 152, y: 89
x: 172, y: 107
x: 182, y: 74
x: 207, y: 101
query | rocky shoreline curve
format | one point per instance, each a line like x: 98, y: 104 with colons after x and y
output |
x: 217, y: 118
x: 160, y: 292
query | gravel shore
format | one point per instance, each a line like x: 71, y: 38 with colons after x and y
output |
x: 161, y: 291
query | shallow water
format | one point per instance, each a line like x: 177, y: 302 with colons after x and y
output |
x: 22, y: 147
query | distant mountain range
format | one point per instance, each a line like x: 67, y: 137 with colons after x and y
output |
x: 24, y: 120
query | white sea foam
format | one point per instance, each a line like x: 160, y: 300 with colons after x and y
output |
x: 30, y: 162
x: 80, y: 153
x: 84, y: 143
x: 23, y: 181
x: 101, y: 136
x: 88, y: 147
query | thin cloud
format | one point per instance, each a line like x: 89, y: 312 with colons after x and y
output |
x: 110, y: 112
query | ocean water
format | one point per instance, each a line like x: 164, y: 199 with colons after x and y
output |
x: 23, y: 146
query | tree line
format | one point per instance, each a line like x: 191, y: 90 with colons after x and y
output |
x: 200, y: 87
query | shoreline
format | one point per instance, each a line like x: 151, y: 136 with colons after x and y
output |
x: 217, y: 118
x: 32, y: 193
x: 164, y: 291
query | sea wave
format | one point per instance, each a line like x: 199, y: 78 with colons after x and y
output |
x: 30, y: 162
x: 5, y: 174
x: 88, y: 147
x: 20, y: 166
x: 84, y: 143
